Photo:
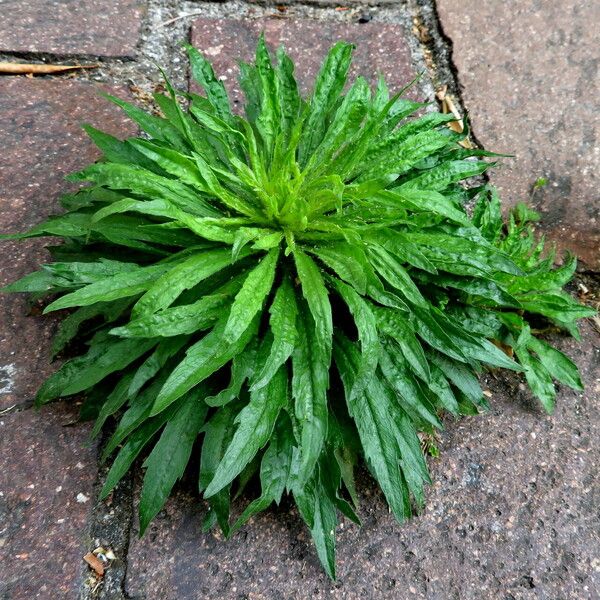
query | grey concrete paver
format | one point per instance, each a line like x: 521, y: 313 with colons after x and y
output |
x: 529, y: 72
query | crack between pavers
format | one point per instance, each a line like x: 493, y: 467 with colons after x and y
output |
x: 17, y: 407
x: 49, y: 57
x: 440, y: 47
x: 110, y: 527
x: 355, y: 5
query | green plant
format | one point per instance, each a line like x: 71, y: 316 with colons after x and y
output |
x: 297, y: 290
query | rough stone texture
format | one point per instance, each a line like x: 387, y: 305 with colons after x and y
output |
x: 381, y: 48
x: 333, y: 3
x: 530, y: 75
x: 42, y: 141
x: 512, y: 514
x: 96, y: 27
x: 44, y: 466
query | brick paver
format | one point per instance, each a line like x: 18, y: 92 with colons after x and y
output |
x: 47, y: 473
x: 380, y: 48
x: 530, y: 79
x: 42, y: 141
x: 96, y: 27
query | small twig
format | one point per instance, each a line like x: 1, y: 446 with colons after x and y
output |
x: 194, y: 14
x: 38, y: 68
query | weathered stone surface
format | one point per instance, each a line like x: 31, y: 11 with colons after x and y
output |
x: 42, y: 141
x: 529, y: 70
x: 333, y: 3
x: 380, y: 48
x: 47, y: 473
x: 512, y: 514
x: 100, y: 28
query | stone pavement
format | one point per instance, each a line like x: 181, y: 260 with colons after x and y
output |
x: 92, y: 27
x: 513, y: 510
x: 530, y: 79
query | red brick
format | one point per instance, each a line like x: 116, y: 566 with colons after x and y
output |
x: 42, y: 141
x: 97, y: 27
x: 380, y: 48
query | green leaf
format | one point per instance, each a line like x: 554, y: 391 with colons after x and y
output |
x: 202, y: 360
x: 432, y: 332
x: 268, y: 121
x: 538, y: 378
x: 442, y: 391
x: 310, y: 381
x: 203, y: 73
x: 461, y: 376
x: 485, y: 288
x: 137, y: 412
x: 81, y: 373
x: 429, y: 201
x: 70, y: 326
x: 123, y: 285
x: 135, y: 443
x: 373, y: 414
x: 347, y: 262
x: 561, y: 367
x: 445, y: 174
x: 328, y: 86
x: 395, y: 274
x: 145, y: 183
x: 179, y: 320
x: 344, y: 124
x: 167, y: 461
x: 399, y: 329
x: 558, y: 306
x: 288, y: 94
x: 165, y: 350
x: 249, y: 300
x: 182, y: 276
x: 411, y: 395
x: 218, y: 433
x: 315, y: 293
x: 284, y: 311
x: 402, y: 157
x: 476, y: 252
x: 243, y: 367
x: 487, y: 215
x: 157, y: 127
x: 255, y: 425
x: 114, y: 402
x: 39, y: 281
x: 475, y: 347
x: 318, y: 511
x: 274, y: 472
x: 367, y: 334
x: 118, y: 151
x: 172, y: 162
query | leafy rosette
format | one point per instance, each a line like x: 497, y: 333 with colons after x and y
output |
x: 297, y: 291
